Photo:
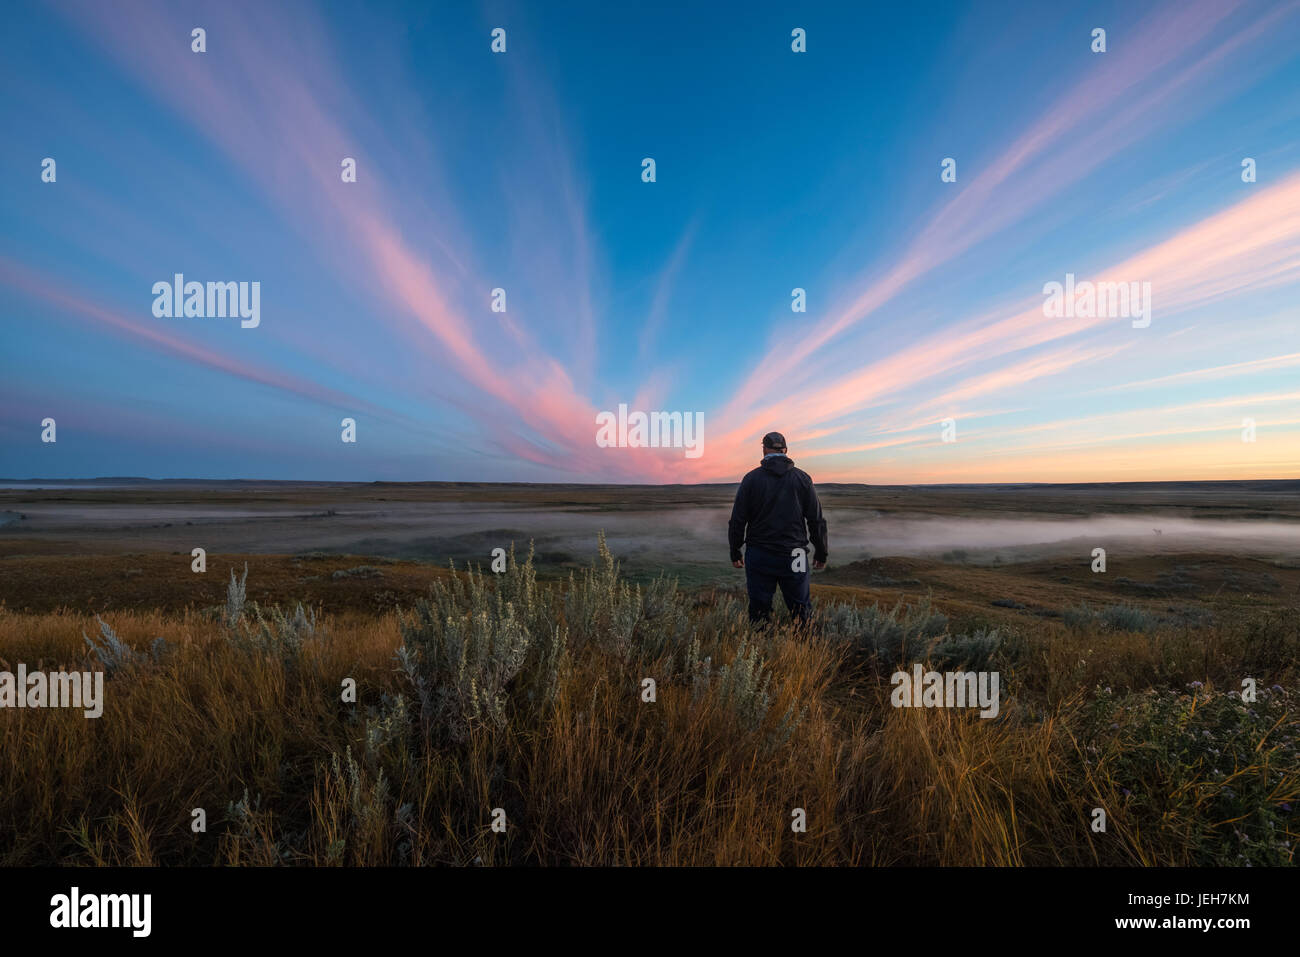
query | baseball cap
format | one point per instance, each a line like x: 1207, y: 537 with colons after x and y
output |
x: 774, y: 440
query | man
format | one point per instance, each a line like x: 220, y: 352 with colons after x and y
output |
x: 775, y: 514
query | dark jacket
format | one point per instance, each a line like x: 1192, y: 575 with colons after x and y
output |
x: 777, y: 508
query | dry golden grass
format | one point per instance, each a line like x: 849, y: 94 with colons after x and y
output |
x: 602, y: 777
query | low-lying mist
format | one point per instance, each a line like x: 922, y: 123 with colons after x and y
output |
x: 668, y: 537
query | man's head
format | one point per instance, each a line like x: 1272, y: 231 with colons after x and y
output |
x: 774, y: 442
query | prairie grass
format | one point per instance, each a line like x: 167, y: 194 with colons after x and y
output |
x: 500, y: 692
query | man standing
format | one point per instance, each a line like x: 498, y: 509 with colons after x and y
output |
x: 775, y: 514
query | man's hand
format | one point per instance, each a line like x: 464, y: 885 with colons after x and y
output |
x: 738, y: 563
x: 818, y: 566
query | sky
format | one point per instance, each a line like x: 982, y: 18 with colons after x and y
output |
x: 926, y: 351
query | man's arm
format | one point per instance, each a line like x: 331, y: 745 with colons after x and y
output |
x: 739, y: 519
x: 812, y: 513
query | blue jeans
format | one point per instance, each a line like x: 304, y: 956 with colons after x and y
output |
x: 766, y: 569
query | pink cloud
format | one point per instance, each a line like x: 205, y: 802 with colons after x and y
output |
x: 1091, y: 123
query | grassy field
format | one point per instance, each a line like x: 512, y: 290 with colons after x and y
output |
x: 529, y: 697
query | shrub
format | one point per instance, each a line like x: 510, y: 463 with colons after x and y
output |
x: 1218, y: 772
x: 386, y: 725
x: 1111, y: 618
x: 1127, y: 618
x: 742, y: 686
x: 464, y: 646
x: 275, y: 634
x: 360, y: 571
x: 1272, y: 641
x: 235, y: 594
x: 899, y: 635
x: 352, y: 809
x: 621, y: 619
x: 115, y: 655
x: 973, y: 652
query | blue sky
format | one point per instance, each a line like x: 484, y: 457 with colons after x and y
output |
x: 522, y: 170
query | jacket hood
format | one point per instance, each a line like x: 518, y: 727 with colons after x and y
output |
x: 780, y: 464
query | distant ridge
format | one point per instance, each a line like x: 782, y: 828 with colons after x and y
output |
x: 1271, y: 484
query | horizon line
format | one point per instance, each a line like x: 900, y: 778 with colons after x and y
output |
x: 139, y: 479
